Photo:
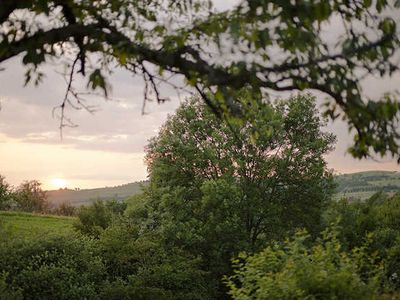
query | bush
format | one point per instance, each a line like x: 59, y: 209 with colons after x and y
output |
x: 140, y: 267
x: 65, y: 209
x: 93, y: 219
x: 51, y: 268
x: 116, y: 207
x: 294, y: 270
x: 379, y: 218
x: 7, y: 293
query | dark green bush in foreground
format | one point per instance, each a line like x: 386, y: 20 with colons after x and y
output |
x: 120, y: 264
x: 51, y: 268
x: 141, y: 266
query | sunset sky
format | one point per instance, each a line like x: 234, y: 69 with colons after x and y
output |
x: 107, y: 148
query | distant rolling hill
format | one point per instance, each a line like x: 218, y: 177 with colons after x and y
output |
x: 86, y: 196
x: 363, y: 185
x: 360, y: 185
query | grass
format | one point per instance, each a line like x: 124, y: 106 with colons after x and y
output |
x: 27, y: 225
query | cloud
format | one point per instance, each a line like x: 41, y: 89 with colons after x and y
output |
x: 118, y: 125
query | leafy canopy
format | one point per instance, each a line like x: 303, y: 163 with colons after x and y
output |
x: 216, y: 189
x: 276, y: 45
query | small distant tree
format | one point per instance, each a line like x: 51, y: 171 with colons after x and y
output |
x: 5, y: 194
x: 65, y: 209
x: 30, y: 197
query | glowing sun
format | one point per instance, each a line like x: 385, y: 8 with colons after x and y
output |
x: 58, y: 183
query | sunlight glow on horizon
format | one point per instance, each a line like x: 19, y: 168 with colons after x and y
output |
x: 59, y: 183
x: 81, y: 168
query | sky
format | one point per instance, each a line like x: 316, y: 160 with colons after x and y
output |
x: 107, y: 148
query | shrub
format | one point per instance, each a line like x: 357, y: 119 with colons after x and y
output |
x: 93, y: 219
x: 65, y: 209
x: 140, y: 267
x: 379, y: 218
x: 6, y: 292
x: 116, y: 207
x: 51, y: 268
x: 295, y: 271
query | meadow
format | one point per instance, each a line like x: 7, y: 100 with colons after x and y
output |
x: 29, y: 225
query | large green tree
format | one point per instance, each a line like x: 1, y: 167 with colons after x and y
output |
x: 217, y: 189
x: 271, y: 45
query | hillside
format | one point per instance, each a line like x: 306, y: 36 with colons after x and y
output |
x: 86, y: 196
x: 362, y: 185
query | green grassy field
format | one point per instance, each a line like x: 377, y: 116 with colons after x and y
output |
x: 26, y: 225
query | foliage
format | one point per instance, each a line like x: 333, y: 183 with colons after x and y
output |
x: 215, y: 190
x: 272, y: 46
x: 378, y: 217
x: 294, y: 270
x: 30, y: 226
x: 7, y: 293
x: 65, y: 209
x: 132, y: 259
x: 140, y: 267
x: 209, y: 169
x: 52, y: 268
x: 30, y: 197
x: 93, y: 219
x: 116, y: 207
x: 5, y: 194
x: 120, y: 264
